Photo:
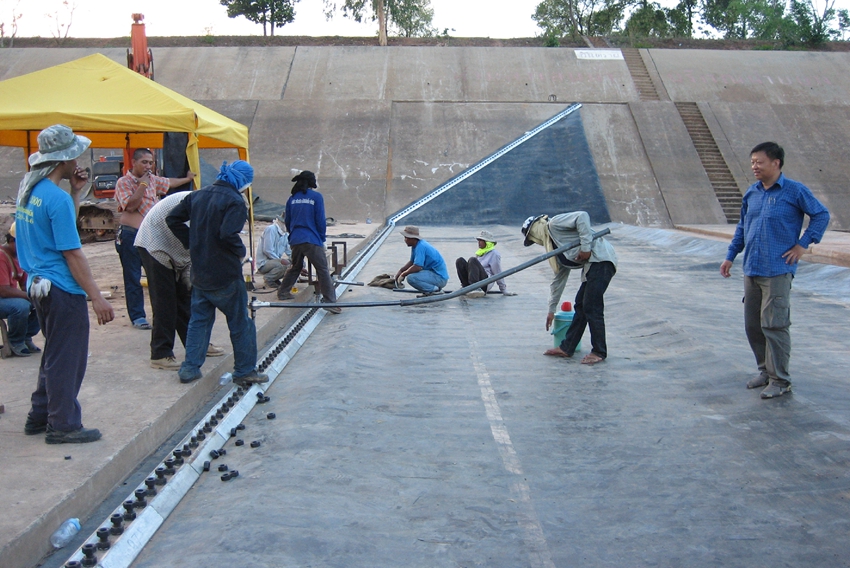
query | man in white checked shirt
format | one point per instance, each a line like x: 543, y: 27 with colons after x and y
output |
x: 167, y: 265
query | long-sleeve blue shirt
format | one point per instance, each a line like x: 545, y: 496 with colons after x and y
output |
x: 305, y: 218
x: 770, y: 225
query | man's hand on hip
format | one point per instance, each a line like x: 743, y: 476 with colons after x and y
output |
x: 794, y: 255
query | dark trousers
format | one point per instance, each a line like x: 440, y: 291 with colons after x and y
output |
x: 64, y: 319
x: 171, y: 303
x: 470, y: 271
x: 131, y: 266
x: 590, y: 310
x: 316, y: 255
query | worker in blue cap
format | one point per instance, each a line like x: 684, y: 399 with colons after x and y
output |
x: 216, y: 216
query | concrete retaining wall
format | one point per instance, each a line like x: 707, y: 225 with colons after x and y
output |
x: 383, y: 126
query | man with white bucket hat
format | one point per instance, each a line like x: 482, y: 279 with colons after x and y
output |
x: 49, y: 249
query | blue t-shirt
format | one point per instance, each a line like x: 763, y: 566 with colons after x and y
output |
x: 46, y: 226
x: 426, y: 256
x: 305, y: 218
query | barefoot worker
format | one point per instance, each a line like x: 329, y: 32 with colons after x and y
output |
x: 598, y: 263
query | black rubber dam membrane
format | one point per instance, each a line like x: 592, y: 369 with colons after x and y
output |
x: 551, y: 173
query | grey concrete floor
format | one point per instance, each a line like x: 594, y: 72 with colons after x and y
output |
x: 440, y: 435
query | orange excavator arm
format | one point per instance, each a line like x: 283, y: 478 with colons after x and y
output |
x: 139, y: 56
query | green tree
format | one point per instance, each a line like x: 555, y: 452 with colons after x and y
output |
x: 408, y: 17
x: 574, y: 18
x: 681, y: 18
x: 843, y: 23
x: 270, y: 13
x: 807, y: 25
x: 412, y: 18
x: 736, y: 19
x: 649, y: 20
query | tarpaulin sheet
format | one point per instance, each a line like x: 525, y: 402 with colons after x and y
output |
x: 551, y: 173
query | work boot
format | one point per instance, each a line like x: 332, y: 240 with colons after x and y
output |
x: 760, y: 381
x: 33, y: 426
x: 79, y: 436
x: 252, y: 378
x: 774, y: 390
x: 285, y: 295
x: 330, y: 307
x: 214, y: 351
x: 188, y: 376
x: 166, y: 363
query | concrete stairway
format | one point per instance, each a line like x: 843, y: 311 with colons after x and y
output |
x: 640, y: 76
x: 715, y: 166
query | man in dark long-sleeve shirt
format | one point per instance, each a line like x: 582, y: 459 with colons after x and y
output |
x: 305, y: 221
x: 217, y: 214
x: 769, y: 234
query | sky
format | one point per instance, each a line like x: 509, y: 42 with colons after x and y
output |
x: 112, y: 18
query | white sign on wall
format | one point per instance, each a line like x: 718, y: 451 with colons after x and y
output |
x: 601, y: 54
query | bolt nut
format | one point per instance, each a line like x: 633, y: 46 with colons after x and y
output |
x: 222, y: 467
x: 214, y: 454
x: 271, y: 415
x: 222, y: 452
x: 255, y: 444
x: 240, y: 426
x: 240, y: 442
x: 225, y: 477
x: 206, y: 466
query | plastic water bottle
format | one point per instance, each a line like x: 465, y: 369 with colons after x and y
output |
x: 65, y: 533
x: 225, y: 379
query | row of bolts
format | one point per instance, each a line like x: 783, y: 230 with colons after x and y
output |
x: 168, y: 467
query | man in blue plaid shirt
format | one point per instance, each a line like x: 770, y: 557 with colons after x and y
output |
x: 769, y: 234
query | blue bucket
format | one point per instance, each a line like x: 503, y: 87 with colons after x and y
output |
x: 561, y: 325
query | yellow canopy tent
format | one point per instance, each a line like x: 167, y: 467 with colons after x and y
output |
x: 112, y: 105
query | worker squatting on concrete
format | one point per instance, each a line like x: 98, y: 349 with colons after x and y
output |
x: 486, y: 262
x: 769, y: 234
x: 216, y: 215
x: 307, y: 225
x: 136, y: 193
x: 426, y: 270
x: 15, y: 305
x: 598, y: 264
x: 273, y: 252
x: 49, y: 249
x: 168, y: 266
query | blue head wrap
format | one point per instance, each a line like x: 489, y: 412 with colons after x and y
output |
x: 238, y: 174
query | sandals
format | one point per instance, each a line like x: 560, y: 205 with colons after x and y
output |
x: 591, y: 359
